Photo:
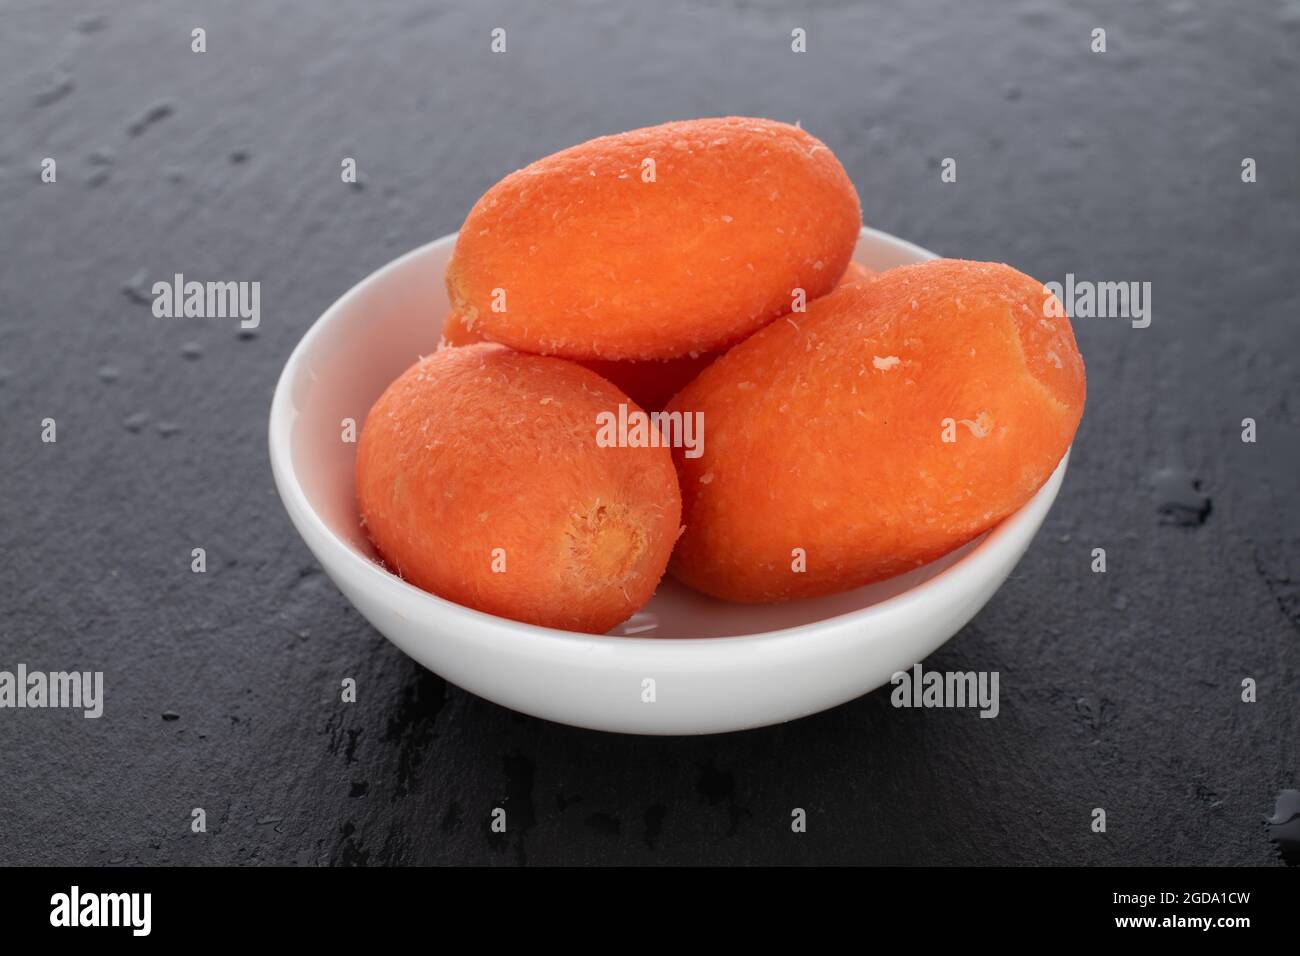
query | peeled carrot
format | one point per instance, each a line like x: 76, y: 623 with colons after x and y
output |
x: 480, y: 479
x: 649, y: 383
x: 655, y: 243
x: 891, y: 423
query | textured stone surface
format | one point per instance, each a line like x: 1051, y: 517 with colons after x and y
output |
x: 1118, y: 690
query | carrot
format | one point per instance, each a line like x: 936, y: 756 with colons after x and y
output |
x: 655, y: 243
x: 855, y: 274
x: 891, y: 423
x: 649, y: 383
x: 480, y: 479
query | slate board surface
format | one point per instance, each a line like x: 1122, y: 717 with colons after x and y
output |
x: 1119, y: 690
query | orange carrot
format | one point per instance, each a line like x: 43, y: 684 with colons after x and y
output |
x: 889, y: 424
x: 480, y: 479
x: 655, y: 243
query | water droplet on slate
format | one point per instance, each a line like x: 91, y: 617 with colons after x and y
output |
x: 1284, y: 826
x: 155, y: 114
x: 102, y: 161
x: 170, y: 715
x: 134, y: 288
x: 134, y: 423
x: 192, y: 351
x: 1180, y: 499
x: 108, y: 374
x: 167, y: 429
x: 54, y: 91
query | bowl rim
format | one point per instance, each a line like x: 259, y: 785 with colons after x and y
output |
x: 998, y: 543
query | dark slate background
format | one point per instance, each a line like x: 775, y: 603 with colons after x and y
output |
x: 1119, y: 690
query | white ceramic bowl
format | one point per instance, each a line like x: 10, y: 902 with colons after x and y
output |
x: 716, y: 666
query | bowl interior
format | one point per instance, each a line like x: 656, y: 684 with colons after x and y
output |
x: 393, y: 317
